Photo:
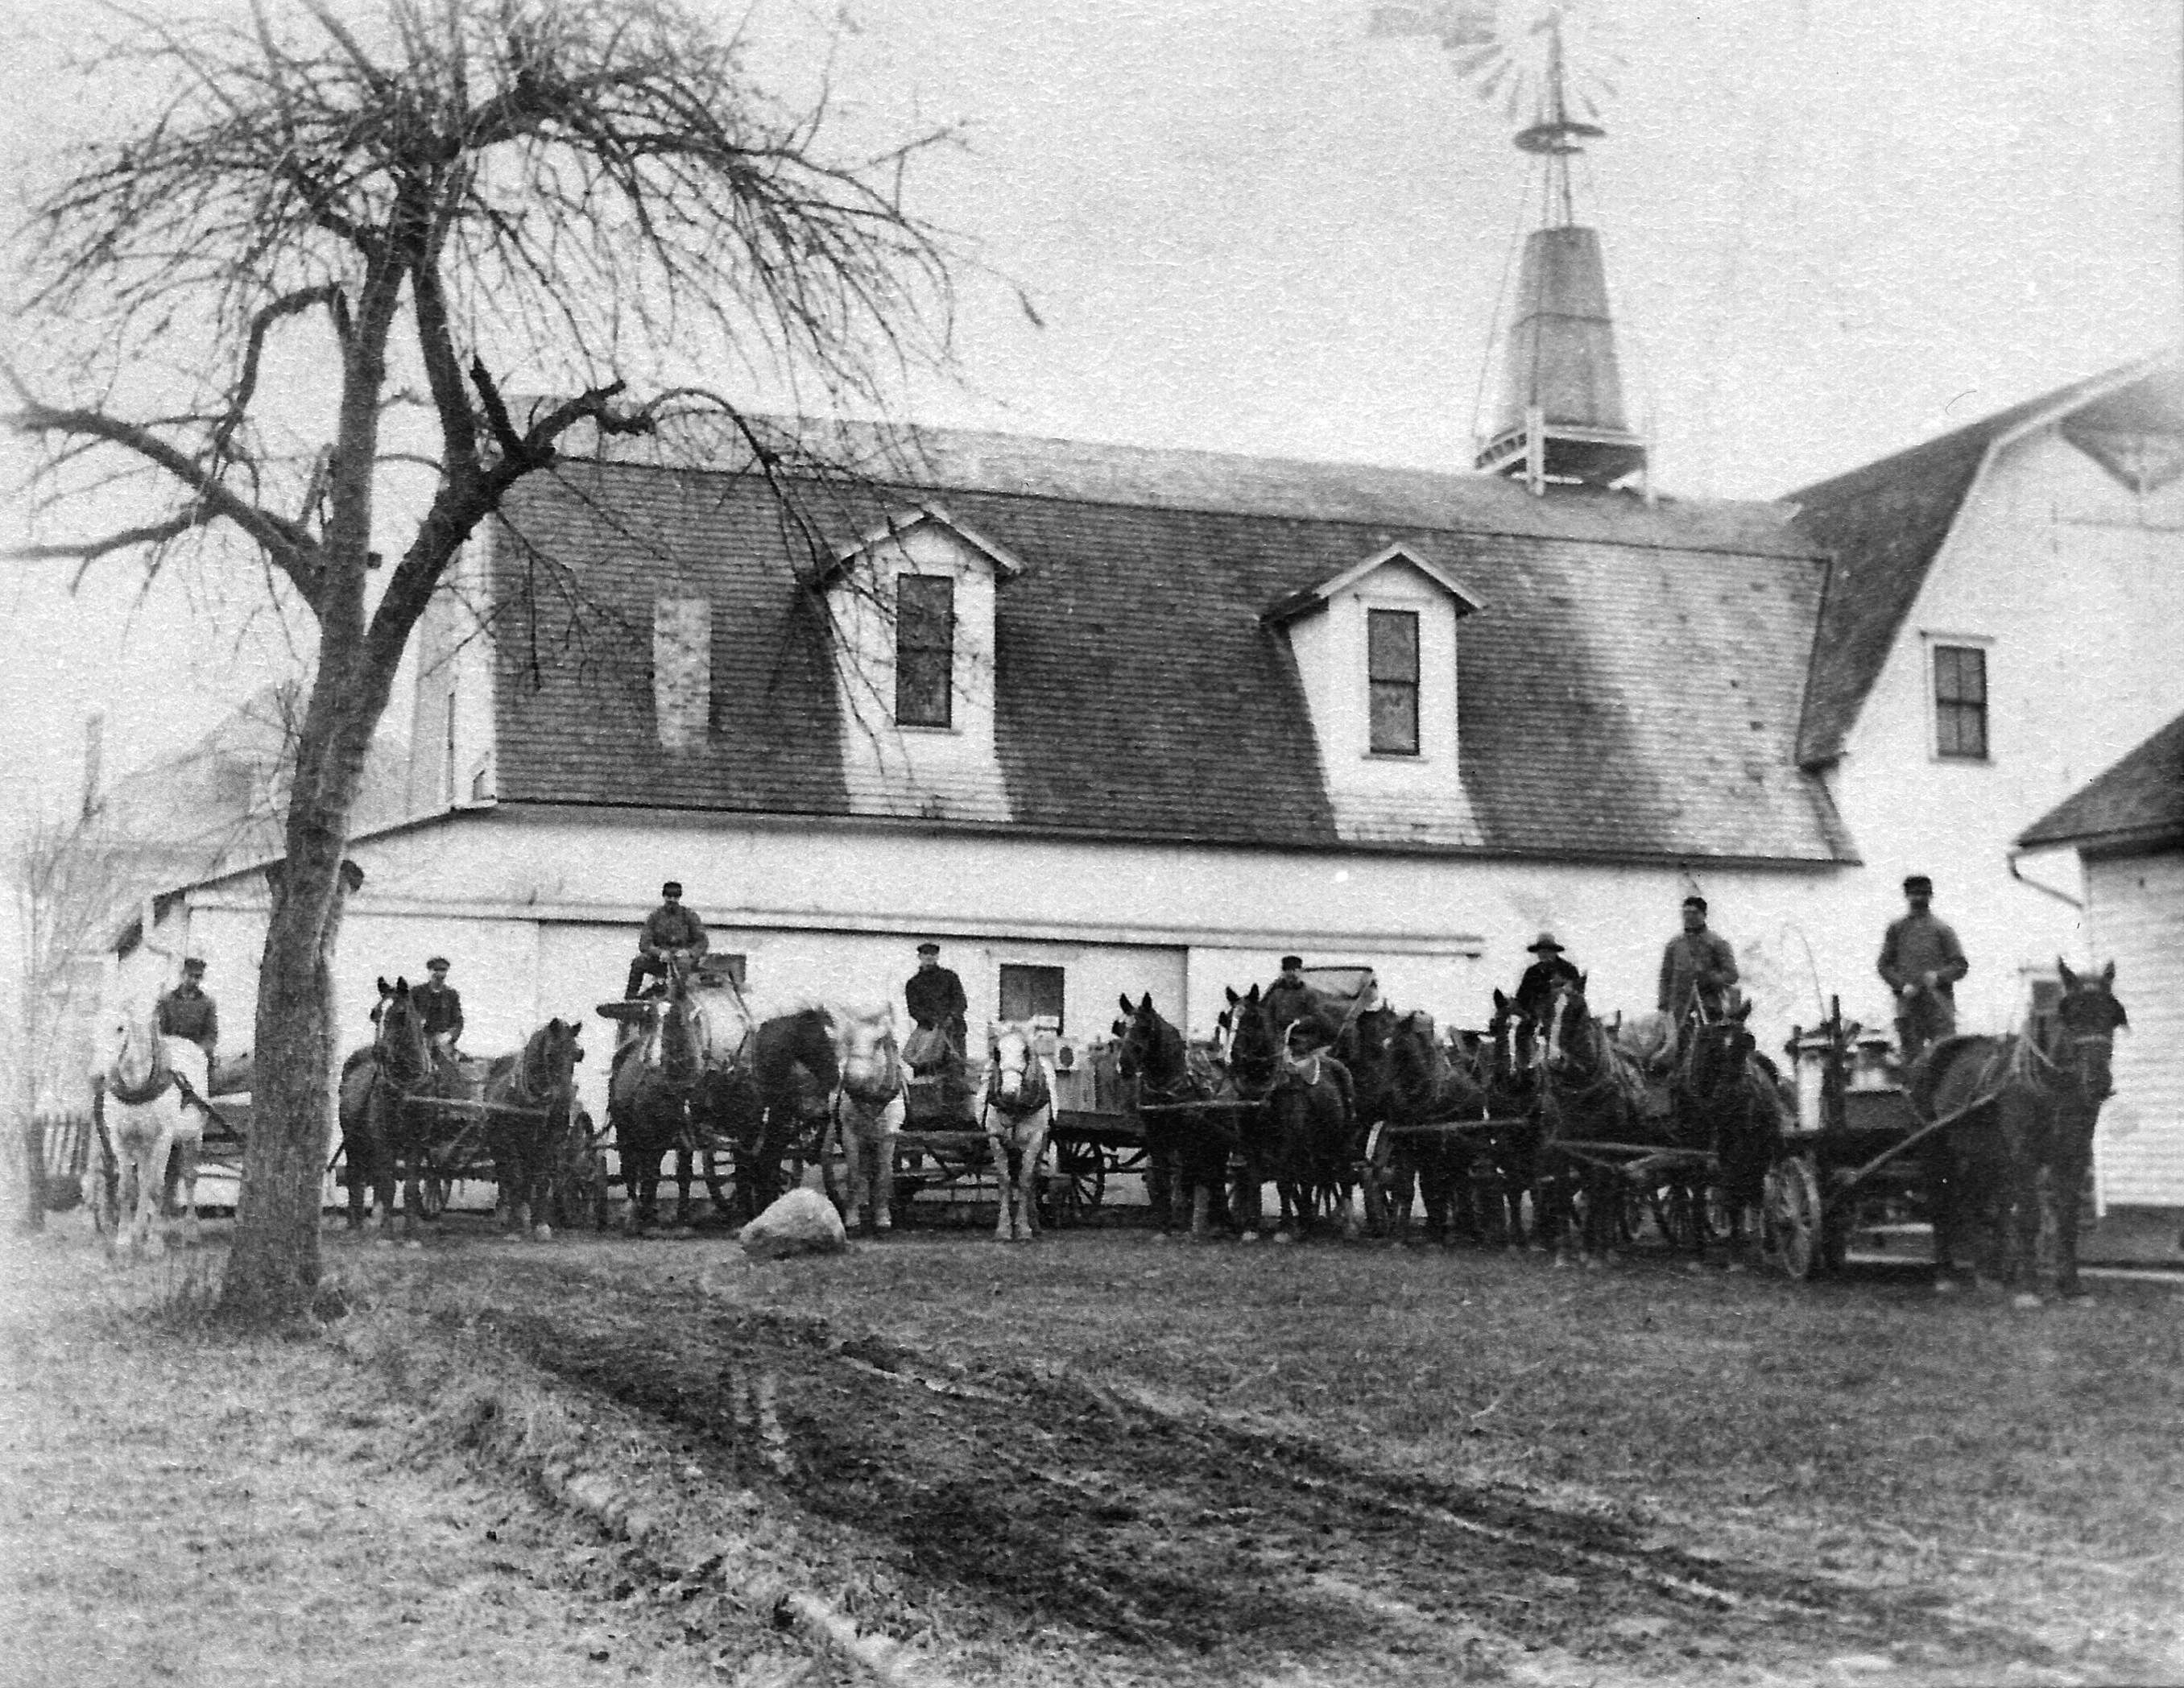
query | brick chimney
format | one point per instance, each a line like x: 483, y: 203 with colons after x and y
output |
x: 682, y: 670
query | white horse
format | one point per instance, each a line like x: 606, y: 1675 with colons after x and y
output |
x: 1017, y: 1109
x: 868, y: 1107
x: 145, y: 1118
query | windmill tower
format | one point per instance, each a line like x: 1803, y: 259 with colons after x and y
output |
x: 1558, y: 416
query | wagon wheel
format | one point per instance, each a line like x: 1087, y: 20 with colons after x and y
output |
x: 1790, y: 1218
x: 1079, y: 1179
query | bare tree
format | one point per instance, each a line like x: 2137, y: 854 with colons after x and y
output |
x: 447, y: 194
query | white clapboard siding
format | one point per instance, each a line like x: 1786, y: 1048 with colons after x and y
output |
x: 2136, y: 908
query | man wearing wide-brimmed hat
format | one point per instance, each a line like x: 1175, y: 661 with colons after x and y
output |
x: 1535, y: 991
x: 1922, y: 961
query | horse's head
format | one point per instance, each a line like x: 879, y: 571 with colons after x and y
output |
x: 1015, y: 1080
x: 868, y: 1057
x: 2086, y: 1023
x: 398, y: 1043
x: 1255, y: 1042
x: 1512, y: 1045
x: 1149, y: 1045
x: 129, y: 1044
x: 1571, y: 1038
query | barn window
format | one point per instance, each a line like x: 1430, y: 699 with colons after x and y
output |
x: 1391, y: 664
x: 924, y: 650
x: 1960, y: 702
x: 1028, y: 991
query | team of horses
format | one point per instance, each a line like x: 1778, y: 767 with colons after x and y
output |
x: 1566, y: 1130
x: 1550, y: 1116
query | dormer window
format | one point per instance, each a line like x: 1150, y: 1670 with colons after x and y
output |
x: 924, y: 650
x: 1392, y: 665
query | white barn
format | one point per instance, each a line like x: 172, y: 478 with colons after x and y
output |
x: 2127, y: 827
x: 1193, y: 710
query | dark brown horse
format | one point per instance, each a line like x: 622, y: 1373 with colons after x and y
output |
x: 1430, y: 1082
x: 770, y: 1099
x: 1299, y: 1135
x: 2020, y: 1158
x: 387, y: 1092
x: 1512, y: 1069
x: 1593, y: 1093
x: 1729, y: 1099
x: 656, y: 1071
x: 1188, y: 1142
x: 530, y: 1124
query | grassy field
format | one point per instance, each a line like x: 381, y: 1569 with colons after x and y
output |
x: 1934, y: 1489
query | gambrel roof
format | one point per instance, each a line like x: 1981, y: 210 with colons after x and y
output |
x: 1884, y: 524
x: 1632, y: 691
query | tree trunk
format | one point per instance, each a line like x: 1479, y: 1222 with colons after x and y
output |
x: 274, y: 1269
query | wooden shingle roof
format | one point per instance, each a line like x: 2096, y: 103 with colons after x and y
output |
x: 2138, y: 801
x: 1631, y: 692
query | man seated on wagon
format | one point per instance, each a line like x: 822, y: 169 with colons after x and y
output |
x: 440, y: 1014
x: 933, y: 994
x: 668, y: 928
x: 189, y: 1013
x: 1535, y: 991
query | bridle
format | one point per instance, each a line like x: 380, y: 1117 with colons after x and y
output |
x: 1031, y: 1086
x: 1149, y: 1040
x: 870, y: 1093
x: 2031, y: 1060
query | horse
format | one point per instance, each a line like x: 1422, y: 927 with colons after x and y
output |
x: 1015, y: 1110
x: 1299, y: 1135
x: 147, y: 1097
x: 387, y: 1089
x: 1728, y: 1096
x: 1187, y: 1145
x: 656, y: 1067
x: 1511, y: 1066
x: 756, y: 1101
x: 1429, y: 1080
x: 531, y: 1113
x: 1593, y: 1092
x: 2044, y: 1090
x: 868, y: 1108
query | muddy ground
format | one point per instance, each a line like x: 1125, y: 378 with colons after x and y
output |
x: 690, y: 1467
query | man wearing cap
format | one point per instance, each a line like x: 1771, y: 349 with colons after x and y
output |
x: 186, y: 1012
x: 934, y: 996
x: 1535, y: 991
x: 439, y: 1009
x: 1291, y: 997
x: 669, y: 928
x: 1922, y: 961
x: 1697, y: 968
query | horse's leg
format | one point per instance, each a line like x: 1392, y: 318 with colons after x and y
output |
x: 1161, y: 1183
x: 1001, y: 1146
x: 684, y: 1156
x: 2066, y: 1178
x: 187, y: 1151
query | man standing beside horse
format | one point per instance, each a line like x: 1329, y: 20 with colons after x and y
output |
x: 1921, y: 961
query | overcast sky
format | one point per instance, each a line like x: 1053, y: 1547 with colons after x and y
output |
x: 1833, y: 229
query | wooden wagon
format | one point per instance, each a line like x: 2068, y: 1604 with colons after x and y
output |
x: 1850, y: 1164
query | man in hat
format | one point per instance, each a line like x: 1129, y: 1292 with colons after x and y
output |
x: 1290, y: 999
x: 439, y: 1008
x: 669, y: 929
x: 1535, y: 991
x: 186, y: 1012
x: 1922, y: 961
x: 934, y: 996
x: 1697, y: 968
